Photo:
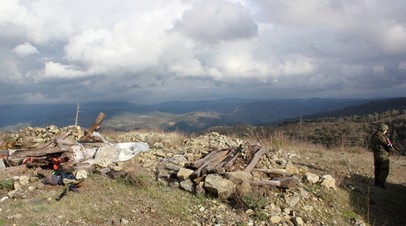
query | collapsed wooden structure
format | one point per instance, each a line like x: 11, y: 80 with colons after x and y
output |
x: 241, y: 159
x: 218, y: 161
x: 57, y: 150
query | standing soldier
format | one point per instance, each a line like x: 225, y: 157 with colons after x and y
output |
x: 381, y: 146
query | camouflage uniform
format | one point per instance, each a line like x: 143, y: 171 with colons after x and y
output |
x: 381, y: 148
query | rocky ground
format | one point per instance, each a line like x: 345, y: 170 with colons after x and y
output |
x: 348, y: 199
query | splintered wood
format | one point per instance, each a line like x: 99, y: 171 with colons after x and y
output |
x: 240, y: 159
x: 43, y: 155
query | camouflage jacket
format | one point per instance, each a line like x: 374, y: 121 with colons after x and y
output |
x: 380, y: 146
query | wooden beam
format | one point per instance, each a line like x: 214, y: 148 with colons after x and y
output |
x: 282, y: 172
x: 255, y: 160
x: 94, y: 127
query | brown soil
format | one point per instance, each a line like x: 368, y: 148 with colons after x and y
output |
x: 354, y: 173
x: 102, y: 201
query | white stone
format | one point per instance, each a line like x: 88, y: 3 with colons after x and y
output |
x: 298, y: 221
x: 329, y: 182
x: 24, y: 180
x: 312, y: 178
x: 184, y: 174
x: 275, y: 219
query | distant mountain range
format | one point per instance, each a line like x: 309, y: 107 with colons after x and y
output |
x: 189, y: 116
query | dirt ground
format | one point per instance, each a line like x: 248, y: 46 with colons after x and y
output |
x: 354, y: 173
x: 118, y: 203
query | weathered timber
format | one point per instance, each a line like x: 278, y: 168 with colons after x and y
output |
x: 39, y: 163
x: 265, y: 183
x: 222, y: 167
x: 52, y: 141
x: 93, y: 127
x: 255, y: 160
x: 198, y: 163
x: 289, y: 182
x: 282, y: 172
x: 233, y: 154
x: 230, y: 163
x: 212, y: 157
x: 215, y: 161
x: 37, y: 152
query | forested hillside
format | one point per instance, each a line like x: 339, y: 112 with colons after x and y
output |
x: 332, y: 132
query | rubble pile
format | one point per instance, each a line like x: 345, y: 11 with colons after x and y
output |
x: 227, y: 168
x: 289, y: 200
x: 32, y: 137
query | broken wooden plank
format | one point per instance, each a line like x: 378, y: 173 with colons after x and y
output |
x: 215, y: 161
x: 230, y: 163
x: 266, y: 183
x: 229, y: 160
x: 52, y: 141
x: 198, y: 163
x: 289, y: 182
x: 37, y: 152
x: 255, y: 160
x: 282, y: 172
x: 212, y: 157
x: 94, y: 127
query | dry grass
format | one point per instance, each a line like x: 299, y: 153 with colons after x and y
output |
x: 102, y: 201
x: 137, y: 199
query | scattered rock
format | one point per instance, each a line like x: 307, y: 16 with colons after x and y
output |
x: 312, y: 178
x: 169, y: 164
x: 219, y: 186
x: 184, y: 174
x: 328, y: 182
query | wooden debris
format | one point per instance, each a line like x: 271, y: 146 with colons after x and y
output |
x: 227, y: 160
x: 213, y: 158
x: 255, y: 160
x: 95, y: 126
x: 52, y: 142
x: 59, y: 148
x: 196, y: 164
x: 37, y: 152
x: 289, y: 182
x: 49, y: 148
x: 282, y: 172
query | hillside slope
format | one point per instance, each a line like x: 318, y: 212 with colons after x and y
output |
x: 228, y: 111
x: 137, y: 198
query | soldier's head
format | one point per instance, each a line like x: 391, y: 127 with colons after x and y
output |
x: 383, y: 127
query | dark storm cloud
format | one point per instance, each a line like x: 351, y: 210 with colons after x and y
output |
x: 153, y: 51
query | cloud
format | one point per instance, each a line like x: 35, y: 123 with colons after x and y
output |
x: 216, y: 20
x: 9, y: 73
x: 164, y: 50
x: 34, y: 20
x: 25, y: 49
x: 393, y: 40
x: 58, y: 70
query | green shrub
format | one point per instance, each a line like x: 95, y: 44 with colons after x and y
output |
x: 7, y: 184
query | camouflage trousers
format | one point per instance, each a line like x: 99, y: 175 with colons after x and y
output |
x: 381, y: 171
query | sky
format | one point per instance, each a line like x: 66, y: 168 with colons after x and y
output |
x: 151, y: 51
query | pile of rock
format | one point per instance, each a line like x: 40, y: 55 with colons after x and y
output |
x: 32, y: 137
x: 175, y: 158
x: 288, y: 199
